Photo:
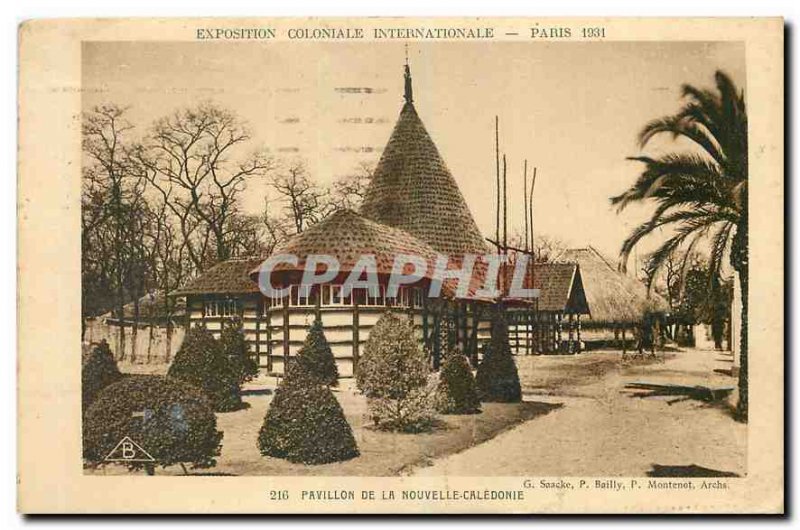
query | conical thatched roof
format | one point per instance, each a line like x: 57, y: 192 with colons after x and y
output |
x: 347, y: 236
x: 614, y: 297
x: 412, y: 189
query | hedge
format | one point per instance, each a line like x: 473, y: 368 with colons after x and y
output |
x: 201, y: 362
x: 235, y: 348
x: 98, y: 370
x: 393, y: 375
x: 316, y: 357
x: 172, y: 421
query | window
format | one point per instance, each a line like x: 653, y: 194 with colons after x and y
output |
x: 401, y: 300
x: 300, y: 295
x: 336, y: 295
x: 406, y: 297
x: 274, y: 301
x: 375, y: 296
x: 325, y: 291
x: 406, y: 294
x: 332, y: 296
x: 303, y: 297
x: 227, y: 307
x: 359, y: 296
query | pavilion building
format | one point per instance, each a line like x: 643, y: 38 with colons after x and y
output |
x: 413, y: 206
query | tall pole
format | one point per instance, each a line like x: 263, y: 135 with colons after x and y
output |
x: 505, y: 208
x: 497, y: 187
x: 525, y: 199
x: 530, y: 212
x: 533, y: 248
x: 528, y: 313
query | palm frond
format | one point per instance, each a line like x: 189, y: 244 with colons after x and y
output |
x: 739, y: 194
x: 657, y: 220
x: 693, y: 191
x: 673, y: 171
x: 692, y: 219
x: 682, y: 126
x: 657, y: 258
x: 707, y: 102
x: 729, y: 99
x: 719, y: 244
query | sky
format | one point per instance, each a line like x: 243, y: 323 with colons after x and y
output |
x: 573, y: 110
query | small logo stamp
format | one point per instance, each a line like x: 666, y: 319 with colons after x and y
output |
x: 128, y: 451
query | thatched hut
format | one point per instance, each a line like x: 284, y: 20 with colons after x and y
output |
x: 413, y: 206
x: 346, y: 318
x: 225, y: 291
x: 550, y: 323
x: 619, y: 303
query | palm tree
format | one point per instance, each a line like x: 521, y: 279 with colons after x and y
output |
x: 700, y: 193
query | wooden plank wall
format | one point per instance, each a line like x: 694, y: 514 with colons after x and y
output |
x: 339, y: 324
x: 269, y: 334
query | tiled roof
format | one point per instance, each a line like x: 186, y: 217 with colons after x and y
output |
x: 560, y: 287
x: 227, y: 277
x: 347, y: 236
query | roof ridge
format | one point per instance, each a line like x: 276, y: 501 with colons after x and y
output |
x: 602, y: 257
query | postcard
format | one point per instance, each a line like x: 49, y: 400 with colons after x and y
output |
x: 401, y: 265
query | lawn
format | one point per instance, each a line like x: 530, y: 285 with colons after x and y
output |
x: 382, y: 453
x: 593, y: 426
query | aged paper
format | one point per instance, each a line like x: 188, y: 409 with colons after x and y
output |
x: 401, y: 266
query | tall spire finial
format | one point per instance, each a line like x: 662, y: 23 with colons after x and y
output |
x: 409, y: 93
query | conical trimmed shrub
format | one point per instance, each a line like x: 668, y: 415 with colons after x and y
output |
x: 98, y: 370
x: 393, y: 375
x: 305, y: 423
x: 457, y: 392
x: 201, y: 362
x: 497, y: 378
x: 316, y: 357
x: 235, y: 348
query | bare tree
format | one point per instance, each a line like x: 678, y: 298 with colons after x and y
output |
x: 169, y: 264
x: 546, y: 248
x: 247, y: 237
x: 113, y: 206
x: 304, y: 202
x: 188, y: 160
x: 275, y: 229
x: 349, y: 190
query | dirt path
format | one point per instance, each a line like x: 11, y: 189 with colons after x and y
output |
x: 602, y: 431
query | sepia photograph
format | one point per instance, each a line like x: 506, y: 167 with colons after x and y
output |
x: 416, y: 253
x: 635, y: 254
